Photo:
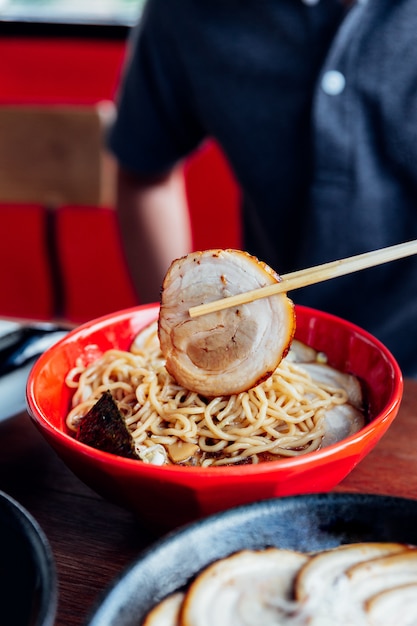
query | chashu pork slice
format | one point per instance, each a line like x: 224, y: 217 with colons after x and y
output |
x: 299, y: 352
x: 326, y: 375
x: 397, y: 605
x: 340, y: 422
x: 334, y: 585
x: 167, y: 612
x: 366, y: 580
x: 249, y: 588
x: 228, y: 351
x: 322, y: 571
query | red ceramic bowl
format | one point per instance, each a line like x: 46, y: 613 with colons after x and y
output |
x: 168, y: 496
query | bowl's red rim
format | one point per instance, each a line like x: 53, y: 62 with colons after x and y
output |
x: 315, y: 458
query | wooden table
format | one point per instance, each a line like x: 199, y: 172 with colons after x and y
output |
x: 93, y: 540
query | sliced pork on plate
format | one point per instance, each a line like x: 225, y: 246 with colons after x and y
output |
x: 363, y: 584
x: 323, y: 590
x: 396, y: 605
x: 167, y: 612
x: 249, y: 588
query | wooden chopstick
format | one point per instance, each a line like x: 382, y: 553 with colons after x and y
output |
x: 310, y: 276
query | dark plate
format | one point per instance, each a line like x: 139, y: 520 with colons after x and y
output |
x: 305, y: 523
x: 28, y: 581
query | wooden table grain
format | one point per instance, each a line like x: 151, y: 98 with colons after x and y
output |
x: 94, y: 540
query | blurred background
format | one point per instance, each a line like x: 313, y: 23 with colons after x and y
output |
x: 60, y: 253
x: 124, y: 12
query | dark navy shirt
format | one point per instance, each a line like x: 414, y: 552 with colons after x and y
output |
x: 315, y: 107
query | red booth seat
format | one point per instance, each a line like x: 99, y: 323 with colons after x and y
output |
x: 25, y: 273
x: 67, y: 260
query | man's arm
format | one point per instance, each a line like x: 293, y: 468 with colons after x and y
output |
x: 154, y: 225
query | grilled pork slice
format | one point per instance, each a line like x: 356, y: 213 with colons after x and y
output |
x: 249, y: 588
x: 369, y: 579
x: 341, y: 421
x: 166, y: 613
x: 335, y: 584
x: 299, y: 352
x: 227, y: 351
x: 397, y: 605
x: 326, y: 375
x: 323, y: 569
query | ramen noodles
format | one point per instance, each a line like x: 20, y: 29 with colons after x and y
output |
x: 285, y: 416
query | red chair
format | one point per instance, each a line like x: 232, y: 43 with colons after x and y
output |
x: 50, y: 156
x: 70, y: 233
x: 92, y: 263
x: 25, y: 274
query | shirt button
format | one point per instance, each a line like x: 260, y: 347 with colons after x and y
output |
x: 333, y: 83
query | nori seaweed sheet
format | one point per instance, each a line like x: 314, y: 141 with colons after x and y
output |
x: 104, y: 428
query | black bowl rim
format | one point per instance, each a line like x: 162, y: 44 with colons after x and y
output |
x: 150, y: 559
x: 42, y: 555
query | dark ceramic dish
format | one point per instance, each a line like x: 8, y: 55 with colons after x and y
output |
x: 305, y: 523
x: 28, y: 582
